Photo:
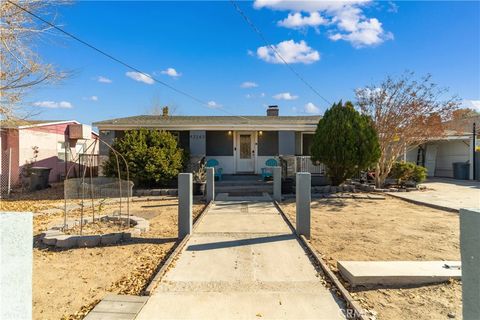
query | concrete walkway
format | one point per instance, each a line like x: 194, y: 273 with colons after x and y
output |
x: 448, y: 194
x: 242, y: 262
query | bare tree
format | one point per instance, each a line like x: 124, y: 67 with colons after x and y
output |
x: 407, y: 112
x: 21, y: 67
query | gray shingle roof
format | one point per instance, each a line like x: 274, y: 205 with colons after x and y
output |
x: 159, y: 120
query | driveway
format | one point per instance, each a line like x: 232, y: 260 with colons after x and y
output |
x: 446, y: 193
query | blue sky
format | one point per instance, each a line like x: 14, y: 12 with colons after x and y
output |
x: 211, y: 52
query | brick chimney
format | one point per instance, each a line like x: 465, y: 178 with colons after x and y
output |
x: 272, y: 111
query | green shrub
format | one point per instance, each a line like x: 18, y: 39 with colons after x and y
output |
x: 408, y: 171
x: 345, y: 141
x: 154, y: 158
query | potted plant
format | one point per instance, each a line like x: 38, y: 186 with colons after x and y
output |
x: 199, y: 178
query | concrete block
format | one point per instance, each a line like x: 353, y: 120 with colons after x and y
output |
x: 398, y: 273
x: 210, y: 184
x: 66, y: 241
x: 277, y: 183
x: 111, y: 238
x: 88, y: 241
x: 303, y: 199
x: 185, y: 201
x: 470, y: 253
x: 16, y: 265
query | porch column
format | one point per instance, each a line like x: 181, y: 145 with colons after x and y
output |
x: 210, y: 184
x: 185, y: 201
x: 470, y: 253
x: 470, y: 158
x: 303, y: 196
x: 277, y: 183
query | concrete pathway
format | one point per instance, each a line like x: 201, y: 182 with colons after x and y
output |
x: 242, y: 262
x: 446, y: 193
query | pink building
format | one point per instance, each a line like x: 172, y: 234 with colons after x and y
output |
x: 58, y: 144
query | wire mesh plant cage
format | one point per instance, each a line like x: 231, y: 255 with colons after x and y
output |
x: 93, y: 192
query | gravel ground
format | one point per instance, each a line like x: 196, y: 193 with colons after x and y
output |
x: 391, y: 229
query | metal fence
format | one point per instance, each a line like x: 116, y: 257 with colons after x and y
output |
x: 305, y: 164
x: 97, y: 188
x: 6, y: 172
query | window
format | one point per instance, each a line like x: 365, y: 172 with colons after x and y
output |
x: 307, y: 141
x: 268, y: 143
x: 219, y: 143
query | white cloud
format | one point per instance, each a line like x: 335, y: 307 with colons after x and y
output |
x: 306, y: 6
x: 347, y: 20
x: 53, y: 104
x: 91, y: 98
x: 472, y: 104
x: 103, y: 79
x: 141, y: 77
x: 213, y: 105
x: 248, y: 84
x: 285, y: 96
x: 250, y: 53
x: 311, y: 108
x: 298, y: 21
x: 290, y: 51
x: 171, y: 72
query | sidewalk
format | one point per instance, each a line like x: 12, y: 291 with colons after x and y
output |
x: 445, y: 194
x: 242, y: 262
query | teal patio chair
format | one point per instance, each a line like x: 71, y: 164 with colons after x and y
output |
x: 267, y: 172
x: 213, y: 163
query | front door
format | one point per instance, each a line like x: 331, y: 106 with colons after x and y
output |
x: 245, y: 153
x: 431, y: 159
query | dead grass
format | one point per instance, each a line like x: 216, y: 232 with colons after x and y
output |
x: 391, y: 229
x: 68, y: 283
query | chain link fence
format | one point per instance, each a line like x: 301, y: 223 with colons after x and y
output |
x: 6, y: 177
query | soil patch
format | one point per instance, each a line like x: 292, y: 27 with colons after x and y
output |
x: 390, y: 229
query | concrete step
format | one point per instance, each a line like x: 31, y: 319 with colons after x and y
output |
x: 398, y: 273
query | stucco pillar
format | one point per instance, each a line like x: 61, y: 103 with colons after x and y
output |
x: 470, y: 252
x: 210, y: 184
x: 303, y: 196
x: 185, y: 201
x: 16, y: 260
x: 277, y: 183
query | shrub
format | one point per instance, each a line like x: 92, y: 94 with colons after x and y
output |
x: 345, y: 141
x: 408, y: 171
x: 154, y: 158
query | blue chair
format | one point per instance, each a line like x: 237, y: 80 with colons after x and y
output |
x: 213, y: 163
x: 268, y: 172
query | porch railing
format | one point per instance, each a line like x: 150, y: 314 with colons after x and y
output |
x: 304, y: 164
x: 293, y: 164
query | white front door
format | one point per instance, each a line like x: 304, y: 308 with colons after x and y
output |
x: 245, y: 152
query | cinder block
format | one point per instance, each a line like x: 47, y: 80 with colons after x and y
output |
x: 66, y: 241
x: 88, y: 241
x: 110, y: 238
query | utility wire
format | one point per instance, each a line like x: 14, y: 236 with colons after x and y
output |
x: 264, y: 39
x: 184, y: 93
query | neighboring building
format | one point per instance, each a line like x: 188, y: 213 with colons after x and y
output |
x: 241, y: 144
x: 57, y: 142
x: 456, y: 145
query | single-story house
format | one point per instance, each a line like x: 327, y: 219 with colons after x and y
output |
x: 241, y: 144
x: 56, y: 143
x: 456, y: 145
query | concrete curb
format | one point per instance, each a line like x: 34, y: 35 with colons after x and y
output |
x: 426, y: 204
x: 357, y: 309
x: 161, y: 272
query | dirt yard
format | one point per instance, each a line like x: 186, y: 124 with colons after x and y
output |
x: 390, y: 229
x: 68, y: 283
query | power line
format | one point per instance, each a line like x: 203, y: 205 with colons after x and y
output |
x: 264, y: 39
x: 184, y: 93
